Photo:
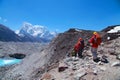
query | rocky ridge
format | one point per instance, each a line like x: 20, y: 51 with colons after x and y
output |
x: 48, y: 61
x: 72, y: 68
x: 84, y: 69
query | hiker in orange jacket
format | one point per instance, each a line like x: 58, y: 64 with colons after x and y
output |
x: 95, y: 42
x: 78, y: 48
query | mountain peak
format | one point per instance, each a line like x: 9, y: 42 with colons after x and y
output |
x: 36, y: 31
x: 114, y: 30
x: 26, y: 26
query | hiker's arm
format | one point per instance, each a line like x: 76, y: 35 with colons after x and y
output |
x: 90, y: 44
x: 91, y: 41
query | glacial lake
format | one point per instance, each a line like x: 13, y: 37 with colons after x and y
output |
x: 5, y: 62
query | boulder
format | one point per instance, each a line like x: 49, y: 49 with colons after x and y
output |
x: 115, y: 64
x: 102, y: 68
x: 68, y: 59
x: 47, y: 76
x: 111, y: 51
x: 95, y: 71
x: 118, y: 57
x: 62, y: 68
x: 17, y: 55
x: 78, y: 76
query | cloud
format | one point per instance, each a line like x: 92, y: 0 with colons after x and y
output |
x: 3, y: 19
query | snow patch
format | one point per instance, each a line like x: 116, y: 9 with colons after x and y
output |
x: 17, y: 31
x: 116, y: 29
x: 78, y: 30
x: 108, y: 38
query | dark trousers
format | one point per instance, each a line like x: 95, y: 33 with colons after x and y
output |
x: 79, y: 53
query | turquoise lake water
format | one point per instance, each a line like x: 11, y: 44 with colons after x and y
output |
x: 4, y: 62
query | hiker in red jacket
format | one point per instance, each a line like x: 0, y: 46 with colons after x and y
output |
x: 95, y: 42
x: 78, y: 48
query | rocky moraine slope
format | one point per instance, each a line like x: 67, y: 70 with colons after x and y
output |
x: 44, y: 64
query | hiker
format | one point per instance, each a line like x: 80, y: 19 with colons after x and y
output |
x: 78, y: 48
x: 95, y: 41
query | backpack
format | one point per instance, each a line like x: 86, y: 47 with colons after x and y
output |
x: 99, y: 40
x: 82, y: 43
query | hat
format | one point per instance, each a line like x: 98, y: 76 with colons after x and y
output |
x: 94, y: 33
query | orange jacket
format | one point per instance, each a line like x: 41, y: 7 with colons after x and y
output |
x: 94, y: 42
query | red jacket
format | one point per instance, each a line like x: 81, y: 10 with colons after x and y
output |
x: 78, y: 46
x: 93, y: 40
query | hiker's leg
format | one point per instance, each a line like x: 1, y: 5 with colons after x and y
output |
x: 80, y: 53
x: 94, y: 52
x: 75, y: 54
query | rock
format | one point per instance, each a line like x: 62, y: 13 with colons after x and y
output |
x: 68, y: 59
x: 102, y: 68
x: 74, y: 68
x: 100, y: 63
x: 75, y: 59
x: 95, y: 71
x: 74, y: 63
x: 118, y: 57
x: 79, y: 74
x: 108, y: 38
x: 104, y: 60
x: 115, y: 64
x: 89, y: 53
x: 17, y: 55
x: 111, y: 51
x: 61, y: 64
x: 46, y: 76
x: 3, y: 55
x: 62, y: 68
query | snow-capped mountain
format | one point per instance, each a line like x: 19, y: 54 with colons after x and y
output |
x: 36, y: 31
x: 114, y: 30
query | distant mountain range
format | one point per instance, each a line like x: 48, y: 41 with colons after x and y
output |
x: 8, y: 35
x: 37, y: 33
x: 27, y: 33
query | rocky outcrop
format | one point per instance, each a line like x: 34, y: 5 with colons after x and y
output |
x: 109, y: 28
x: 64, y: 43
x: 86, y: 69
x: 17, y: 55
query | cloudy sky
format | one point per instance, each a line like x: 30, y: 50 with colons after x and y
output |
x: 60, y: 14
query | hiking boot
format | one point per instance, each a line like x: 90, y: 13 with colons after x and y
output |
x: 104, y: 60
x: 96, y: 60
